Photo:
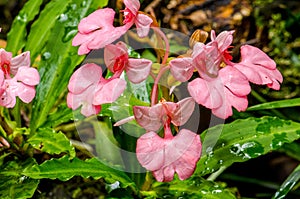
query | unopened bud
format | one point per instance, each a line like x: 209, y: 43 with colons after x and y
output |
x: 198, y: 36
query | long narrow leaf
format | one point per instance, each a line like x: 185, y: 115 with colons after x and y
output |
x: 41, y: 28
x: 17, y: 35
x: 64, y: 169
x: 243, y: 140
x: 276, y: 104
x: 288, y: 184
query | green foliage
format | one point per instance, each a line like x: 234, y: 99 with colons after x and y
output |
x: 288, y: 184
x: 47, y: 140
x: 243, y: 140
x: 15, y: 185
x: 64, y: 169
x: 16, y: 38
x: 194, y: 187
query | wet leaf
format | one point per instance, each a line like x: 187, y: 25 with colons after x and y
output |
x: 49, y: 141
x: 243, y: 140
x: 288, y: 184
x: 64, y: 169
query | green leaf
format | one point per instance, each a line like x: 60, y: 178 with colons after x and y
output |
x: 194, y: 187
x: 242, y: 140
x: 41, y: 28
x: 64, y: 169
x: 47, y: 140
x: 61, y: 115
x: 14, y: 185
x: 58, y: 62
x: 17, y: 35
x: 288, y: 184
x: 276, y: 104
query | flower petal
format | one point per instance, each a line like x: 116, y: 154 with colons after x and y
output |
x: 150, y: 118
x: 164, y: 157
x: 84, y: 77
x: 109, y: 91
x: 182, y: 68
x: 183, y: 111
x: 208, y: 94
x: 138, y: 70
x: 133, y: 6
x: 22, y: 60
x: 29, y: 76
x: 142, y: 23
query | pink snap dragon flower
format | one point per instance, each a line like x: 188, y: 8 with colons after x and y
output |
x: 170, y: 154
x: 223, y: 84
x: 97, y: 30
x: 17, y: 78
x: 117, y: 60
x: 87, y: 88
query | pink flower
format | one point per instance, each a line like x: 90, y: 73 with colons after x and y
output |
x: 258, y: 67
x: 165, y: 156
x: 117, y: 60
x: 205, y: 58
x: 229, y: 89
x: 152, y: 118
x: 87, y: 88
x: 170, y: 154
x: 17, y: 78
x: 132, y: 15
x: 97, y: 30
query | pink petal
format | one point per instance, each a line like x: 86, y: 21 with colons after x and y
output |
x: 102, y: 18
x: 85, y: 99
x: 110, y: 91
x: 208, y: 94
x: 183, y: 111
x: 224, y: 40
x: 133, y: 6
x: 29, y: 76
x: 142, y: 23
x: 25, y: 93
x: 97, y: 30
x: 164, y: 157
x: 207, y: 58
x: 150, y: 118
x: 182, y: 68
x: 8, y: 99
x: 235, y: 81
x: 138, y: 70
x: 254, y: 56
x: 84, y: 77
x: 22, y: 60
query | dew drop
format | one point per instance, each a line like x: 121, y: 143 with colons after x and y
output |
x: 63, y: 17
x: 220, y: 162
x: 46, y: 55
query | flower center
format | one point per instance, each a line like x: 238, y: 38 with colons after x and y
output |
x: 128, y: 16
x: 120, y: 63
x: 5, y: 67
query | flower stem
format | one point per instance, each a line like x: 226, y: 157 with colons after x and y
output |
x: 163, y: 68
x: 167, y: 44
x: 155, y: 86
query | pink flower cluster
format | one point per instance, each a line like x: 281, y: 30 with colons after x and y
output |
x: 221, y: 85
x: 17, y: 78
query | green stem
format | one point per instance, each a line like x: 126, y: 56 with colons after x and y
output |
x: 16, y: 111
